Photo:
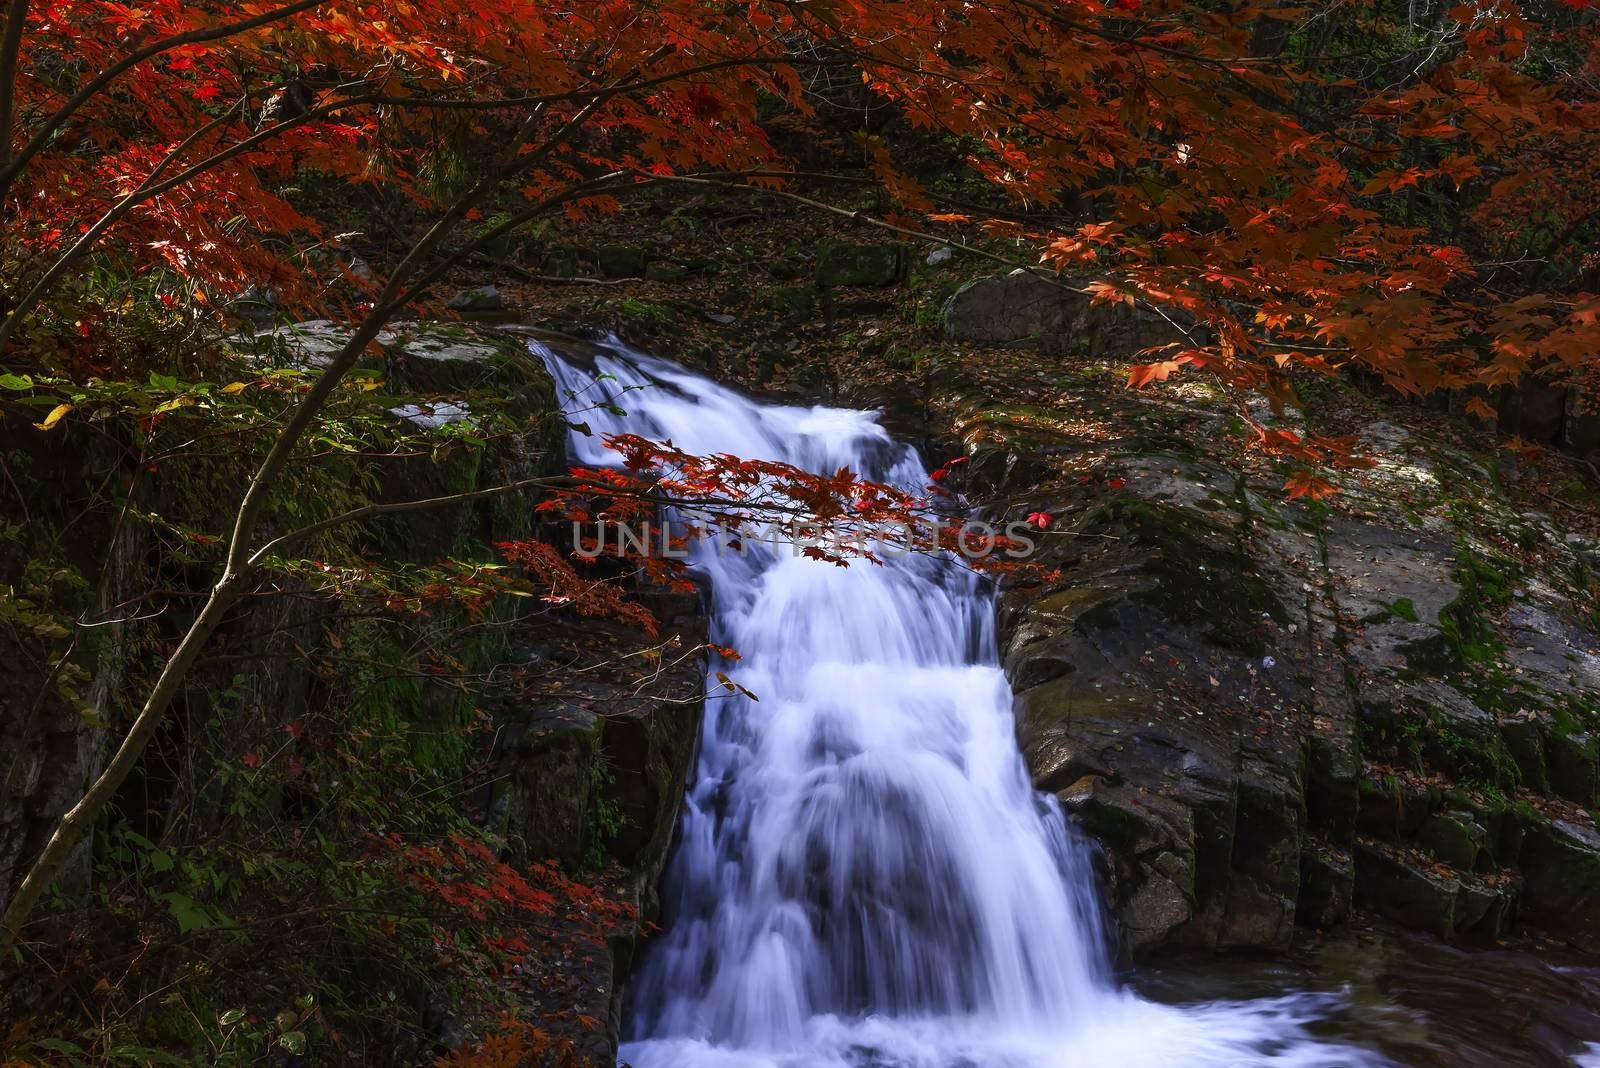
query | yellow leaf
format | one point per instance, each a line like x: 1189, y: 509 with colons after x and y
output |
x: 55, y: 416
x: 233, y: 387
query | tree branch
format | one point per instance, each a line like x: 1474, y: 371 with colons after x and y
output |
x: 367, y: 511
x: 10, y: 48
x: 93, y: 87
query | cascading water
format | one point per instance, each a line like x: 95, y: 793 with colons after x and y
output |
x: 864, y: 875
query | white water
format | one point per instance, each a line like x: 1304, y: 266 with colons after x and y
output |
x: 864, y: 877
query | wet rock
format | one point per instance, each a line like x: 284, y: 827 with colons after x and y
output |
x: 1287, y: 680
x: 1484, y: 909
x: 1561, y: 872
x: 1327, y: 884
x: 1256, y: 914
x: 1573, y: 765
x: 1394, y: 809
x: 1150, y: 842
x: 1391, y: 885
x: 479, y: 299
x: 841, y: 263
x: 1154, y: 910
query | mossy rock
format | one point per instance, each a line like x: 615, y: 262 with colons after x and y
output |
x: 1391, y: 811
x: 789, y: 266
x: 558, y: 261
x: 841, y: 263
x: 1203, y: 579
x: 1454, y: 838
x: 662, y: 271
x: 548, y: 815
x: 792, y: 301
x: 1524, y: 741
x: 617, y: 260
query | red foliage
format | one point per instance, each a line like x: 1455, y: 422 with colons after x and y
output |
x: 511, y: 910
x: 1230, y: 208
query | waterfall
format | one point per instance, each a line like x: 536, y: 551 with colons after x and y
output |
x: 864, y: 875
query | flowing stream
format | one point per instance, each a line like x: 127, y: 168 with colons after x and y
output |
x: 864, y: 875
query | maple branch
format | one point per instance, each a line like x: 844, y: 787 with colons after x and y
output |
x: 10, y: 48
x: 92, y: 88
x: 146, y: 191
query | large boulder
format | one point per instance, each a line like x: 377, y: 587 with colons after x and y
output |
x: 1055, y: 315
x: 1020, y: 306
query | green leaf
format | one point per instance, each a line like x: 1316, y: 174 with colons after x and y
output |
x: 56, y: 1045
x: 17, y: 382
x: 231, y: 1017
x: 142, y: 1055
x: 190, y: 914
x: 293, y: 1041
x: 184, y: 400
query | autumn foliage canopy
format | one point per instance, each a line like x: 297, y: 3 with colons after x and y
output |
x: 1289, y: 206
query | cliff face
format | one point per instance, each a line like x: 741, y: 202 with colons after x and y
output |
x: 565, y: 743
x: 1269, y: 712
